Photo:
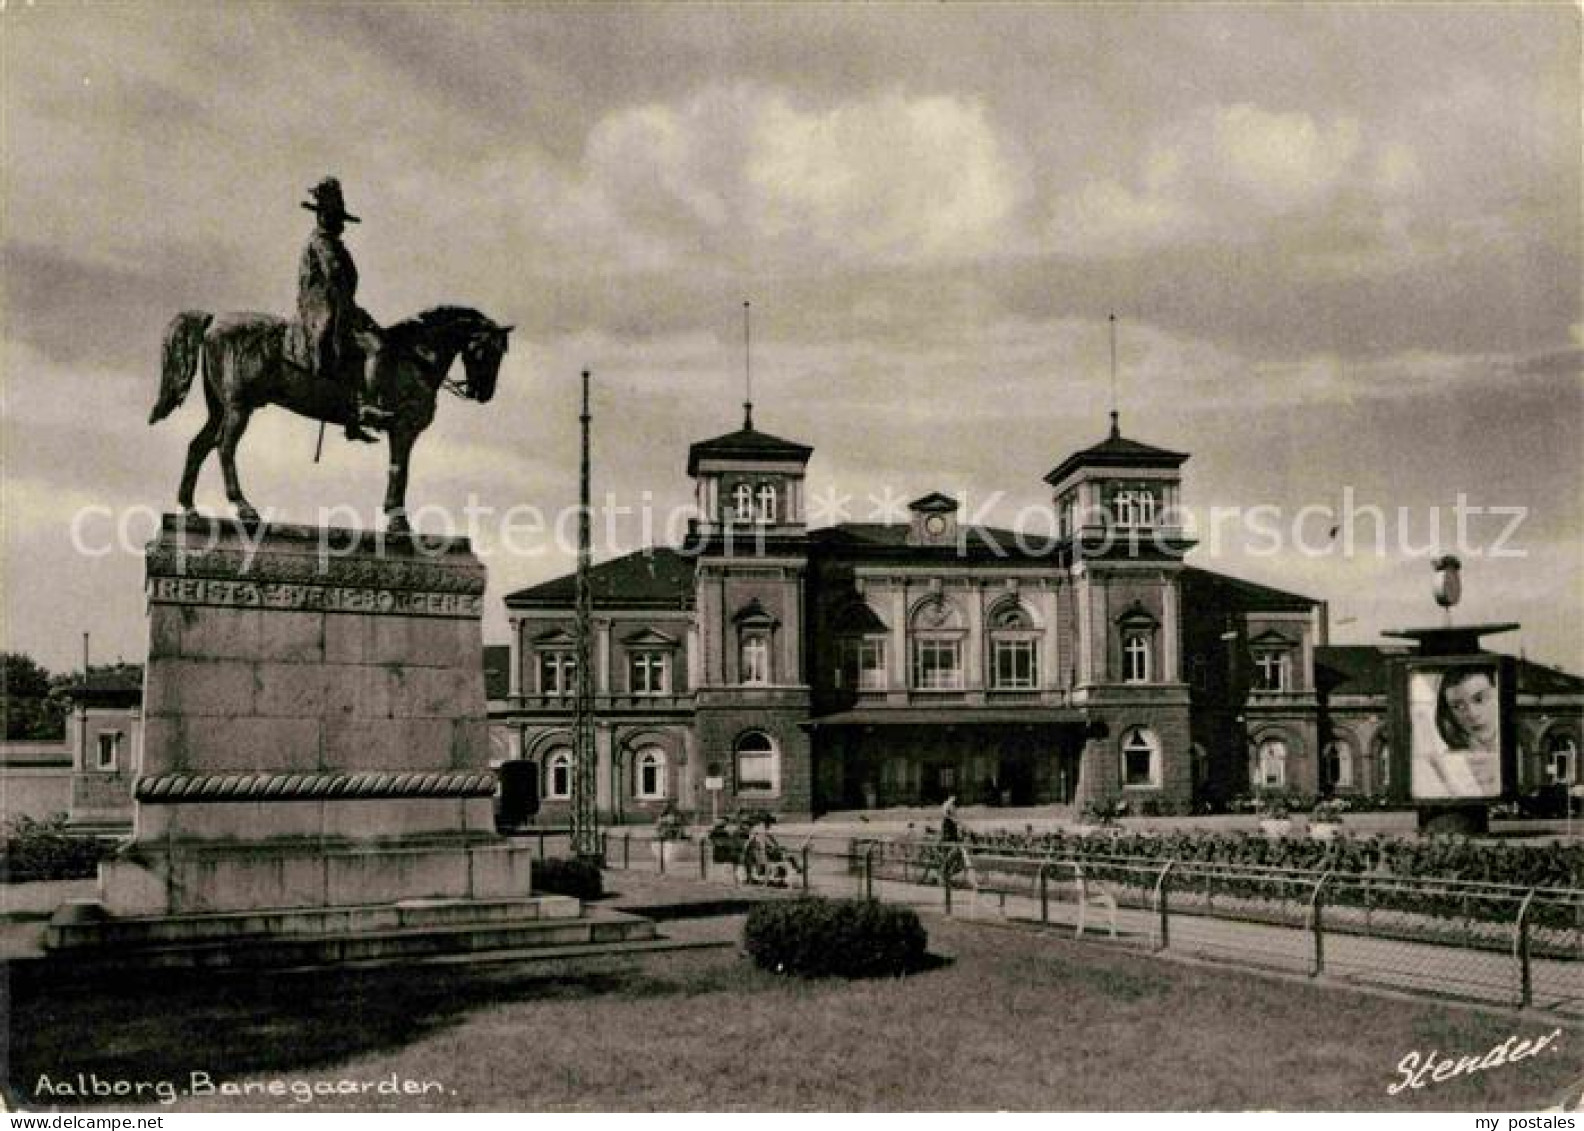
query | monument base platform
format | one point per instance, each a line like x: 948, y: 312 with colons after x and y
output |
x: 304, y: 937
x: 207, y: 878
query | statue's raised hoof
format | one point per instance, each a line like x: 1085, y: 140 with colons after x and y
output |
x: 246, y: 515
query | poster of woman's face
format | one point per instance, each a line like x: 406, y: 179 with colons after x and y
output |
x: 1454, y: 715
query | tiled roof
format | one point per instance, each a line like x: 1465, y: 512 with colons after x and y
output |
x: 1353, y: 669
x: 1116, y: 450
x: 1361, y: 669
x: 746, y: 443
x: 659, y: 576
x: 1207, y: 588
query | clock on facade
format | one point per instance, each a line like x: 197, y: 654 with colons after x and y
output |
x: 935, y: 525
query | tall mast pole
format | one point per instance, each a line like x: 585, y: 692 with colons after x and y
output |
x: 747, y: 369
x: 1116, y: 429
x: 585, y: 804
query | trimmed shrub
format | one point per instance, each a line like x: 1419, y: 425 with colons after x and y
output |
x: 849, y: 938
x: 562, y: 875
x: 36, y: 851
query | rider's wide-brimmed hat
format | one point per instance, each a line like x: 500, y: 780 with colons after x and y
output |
x: 327, y: 200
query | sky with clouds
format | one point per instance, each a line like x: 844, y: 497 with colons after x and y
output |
x: 1343, y: 244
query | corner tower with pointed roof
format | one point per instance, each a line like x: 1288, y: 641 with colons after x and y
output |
x: 1117, y: 507
x: 750, y: 575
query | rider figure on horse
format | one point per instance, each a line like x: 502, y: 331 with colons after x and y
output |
x: 338, y: 332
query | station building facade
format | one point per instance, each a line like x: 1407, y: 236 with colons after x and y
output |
x: 866, y: 666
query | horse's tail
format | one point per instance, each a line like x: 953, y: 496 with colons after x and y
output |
x: 179, y: 360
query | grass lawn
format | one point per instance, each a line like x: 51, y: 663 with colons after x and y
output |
x: 1013, y: 1020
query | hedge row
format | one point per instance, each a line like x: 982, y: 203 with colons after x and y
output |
x: 36, y: 851
x: 561, y: 875
x: 1547, y: 865
x: 849, y: 938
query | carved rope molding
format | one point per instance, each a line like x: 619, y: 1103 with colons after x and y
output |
x: 187, y: 789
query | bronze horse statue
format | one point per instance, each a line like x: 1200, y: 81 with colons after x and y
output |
x: 246, y: 364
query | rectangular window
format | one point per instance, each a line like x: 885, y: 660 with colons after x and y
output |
x: 557, y: 673
x: 1015, y: 666
x: 937, y: 665
x: 1133, y: 506
x: 862, y: 663
x: 109, y: 741
x: 1272, y: 671
x: 649, y: 673
x: 1136, y: 658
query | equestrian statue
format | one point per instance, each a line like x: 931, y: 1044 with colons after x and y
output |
x: 335, y: 364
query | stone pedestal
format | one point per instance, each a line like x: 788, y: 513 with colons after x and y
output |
x: 315, y: 730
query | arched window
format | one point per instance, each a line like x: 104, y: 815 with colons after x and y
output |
x: 758, y: 764
x: 1140, y: 758
x: 649, y: 774
x: 1336, y: 764
x: 558, y: 773
x: 937, y: 644
x: 767, y: 503
x: 1014, y: 649
x: 1561, y: 758
x: 743, y: 502
x: 1271, y: 764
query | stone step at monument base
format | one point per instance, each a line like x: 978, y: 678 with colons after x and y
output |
x: 335, y: 936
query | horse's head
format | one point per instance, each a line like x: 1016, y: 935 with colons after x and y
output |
x: 481, y: 357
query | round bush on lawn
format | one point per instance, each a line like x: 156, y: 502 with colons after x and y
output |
x: 561, y: 875
x: 850, y: 938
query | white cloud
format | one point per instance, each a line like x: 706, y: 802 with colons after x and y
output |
x: 745, y: 178
x: 895, y: 177
x: 1282, y: 161
x: 1237, y: 174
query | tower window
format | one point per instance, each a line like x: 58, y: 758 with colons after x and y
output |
x: 767, y: 503
x: 755, y: 656
x: 1136, y: 655
x: 743, y: 502
x: 1140, y: 758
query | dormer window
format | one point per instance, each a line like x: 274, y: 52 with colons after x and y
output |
x: 767, y: 503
